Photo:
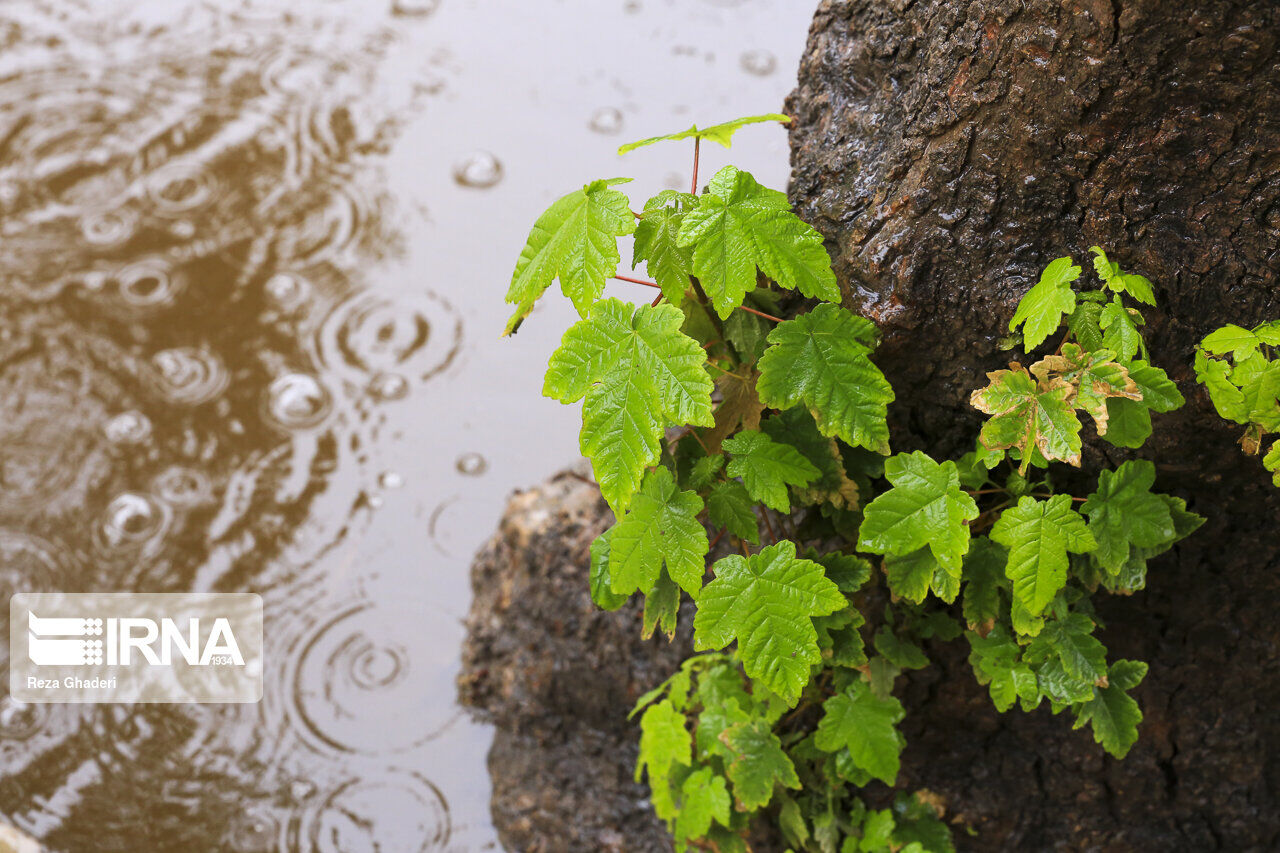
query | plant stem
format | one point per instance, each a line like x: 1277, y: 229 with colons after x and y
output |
x: 769, y: 526
x: 696, y: 144
x: 637, y: 281
x: 760, y: 313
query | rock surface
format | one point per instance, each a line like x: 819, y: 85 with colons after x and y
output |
x: 557, y: 676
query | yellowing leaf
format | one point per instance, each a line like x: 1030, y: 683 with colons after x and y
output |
x: 1028, y: 415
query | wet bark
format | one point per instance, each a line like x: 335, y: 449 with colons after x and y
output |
x: 948, y: 151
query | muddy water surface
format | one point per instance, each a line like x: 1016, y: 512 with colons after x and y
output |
x: 251, y: 265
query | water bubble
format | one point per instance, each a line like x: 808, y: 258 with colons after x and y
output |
x: 758, y: 62
x: 131, y: 518
x: 254, y: 830
x: 390, y: 480
x: 108, y: 228
x: 21, y: 720
x: 131, y: 427
x: 471, y: 464
x: 183, y: 487
x: 414, y: 8
x: 389, y: 386
x: 479, y: 170
x: 287, y: 290
x: 145, y: 284
x: 178, y: 188
x: 301, y: 789
x: 189, y: 375
x: 606, y: 120
x: 298, y: 401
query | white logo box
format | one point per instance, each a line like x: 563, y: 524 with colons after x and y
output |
x: 135, y: 647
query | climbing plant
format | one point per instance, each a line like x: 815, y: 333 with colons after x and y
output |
x: 1240, y: 368
x: 717, y: 430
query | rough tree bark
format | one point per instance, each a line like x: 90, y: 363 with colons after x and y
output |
x: 948, y: 150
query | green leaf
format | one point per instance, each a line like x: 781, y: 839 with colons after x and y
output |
x: 1119, y: 333
x: 901, y: 653
x: 1272, y: 462
x: 877, y: 832
x: 767, y: 603
x: 669, y: 264
x: 1268, y: 333
x: 575, y: 240
x: 1123, y: 512
x: 1214, y: 375
x: 848, y: 572
x: 821, y: 359
x: 1135, y: 285
x: 925, y: 507
x: 705, y: 470
x: 997, y: 663
x: 661, y: 608
x: 865, y: 725
x: 1129, y: 421
x: 1112, y: 712
x: 638, y: 374
x: 740, y: 226
x: 599, y: 581
x: 1262, y: 397
x: 758, y: 764
x: 797, y: 428
x: 767, y: 467
x: 664, y: 741
x: 1038, y: 535
x: 1231, y: 339
x: 748, y: 334
x: 661, y: 527
x: 704, y: 798
x: 721, y: 133
x: 1085, y: 323
x: 984, y: 569
x: 729, y: 506
x: 1040, y: 310
x: 1028, y: 416
x: 909, y: 576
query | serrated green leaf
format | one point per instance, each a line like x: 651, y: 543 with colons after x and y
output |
x: 661, y: 527
x: 925, y: 507
x: 839, y: 639
x: 638, y: 373
x: 821, y: 359
x: 768, y: 467
x: 705, y: 470
x: 1119, y: 332
x: 898, y: 651
x: 668, y: 263
x: 996, y: 661
x: 1214, y: 375
x: 877, y: 832
x: 1135, y: 285
x: 1262, y: 397
x: 729, y: 506
x: 599, y: 582
x: 767, y: 603
x: 1129, y: 421
x: 721, y: 133
x: 704, y: 798
x: 1113, y: 713
x: 848, y: 572
x: 910, y: 575
x: 1085, y: 323
x: 1231, y: 339
x: 575, y: 240
x: 664, y: 741
x: 1029, y: 416
x: 748, y: 334
x: 758, y: 764
x: 1268, y: 333
x: 1123, y: 512
x: 1071, y: 641
x: 796, y: 427
x: 1038, y: 535
x: 866, y: 725
x: 661, y: 608
x: 1040, y: 310
x: 739, y: 226
x: 1272, y: 462
x: 984, y: 568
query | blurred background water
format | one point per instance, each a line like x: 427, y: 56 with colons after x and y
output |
x: 252, y: 260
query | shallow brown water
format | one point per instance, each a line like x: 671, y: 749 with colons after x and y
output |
x: 251, y: 265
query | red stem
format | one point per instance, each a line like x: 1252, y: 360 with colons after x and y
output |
x: 760, y: 313
x: 696, y: 143
x: 637, y: 281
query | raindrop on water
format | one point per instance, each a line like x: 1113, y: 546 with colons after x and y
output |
x: 145, y: 284
x: 390, y: 480
x: 298, y: 401
x: 287, y: 290
x: 20, y: 720
x: 108, y: 228
x: 478, y: 170
x: 131, y: 518
x: 130, y: 427
x: 414, y: 8
x: 758, y: 62
x: 606, y: 120
x: 471, y: 464
x: 389, y: 386
x: 189, y: 375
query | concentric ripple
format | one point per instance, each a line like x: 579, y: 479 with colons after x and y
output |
x: 372, y: 335
x: 396, y: 812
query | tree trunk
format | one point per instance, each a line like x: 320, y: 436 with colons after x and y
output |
x: 948, y: 151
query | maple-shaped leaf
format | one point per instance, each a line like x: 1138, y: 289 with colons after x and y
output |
x: 910, y: 575
x: 1038, y: 535
x: 1215, y: 375
x: 983, y: 575
x: 731, y: 507
x: 575, y: 240
x: 758, y: 764
x: 661, y: 608
x: 797, y: 428
x: 768, y: 467
x: 1119, y: 281
x: 599, y: 580
x: 1232, y: 339
x: 1272, y: 462
x: 638, y: 374
x: 1028, y: 415
x: 1123, y: 512
x: 821, y: 359
x: 705, y: 470
x: 1040, y: 310
x: 1129, y: 421
x: 899, y: 651
x: 740, y: 408
x: 997, y: 662
x: 664, y: 741
x: 1112, y: 712
x: 721, y: 133
x: 1096, y: 376
x: 739, y: 226
x: 704, y: 798
x: 1120, y: 329
x: 1071, y: 641
x: 926, y: 506
x: 669, y: 263
x: 1261, y: 391
x: 767, y: 603
x: 1085, y: 322
x: 660, y: 527
x: 866, y: 725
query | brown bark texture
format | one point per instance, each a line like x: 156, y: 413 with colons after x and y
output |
x: 948, y: 151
